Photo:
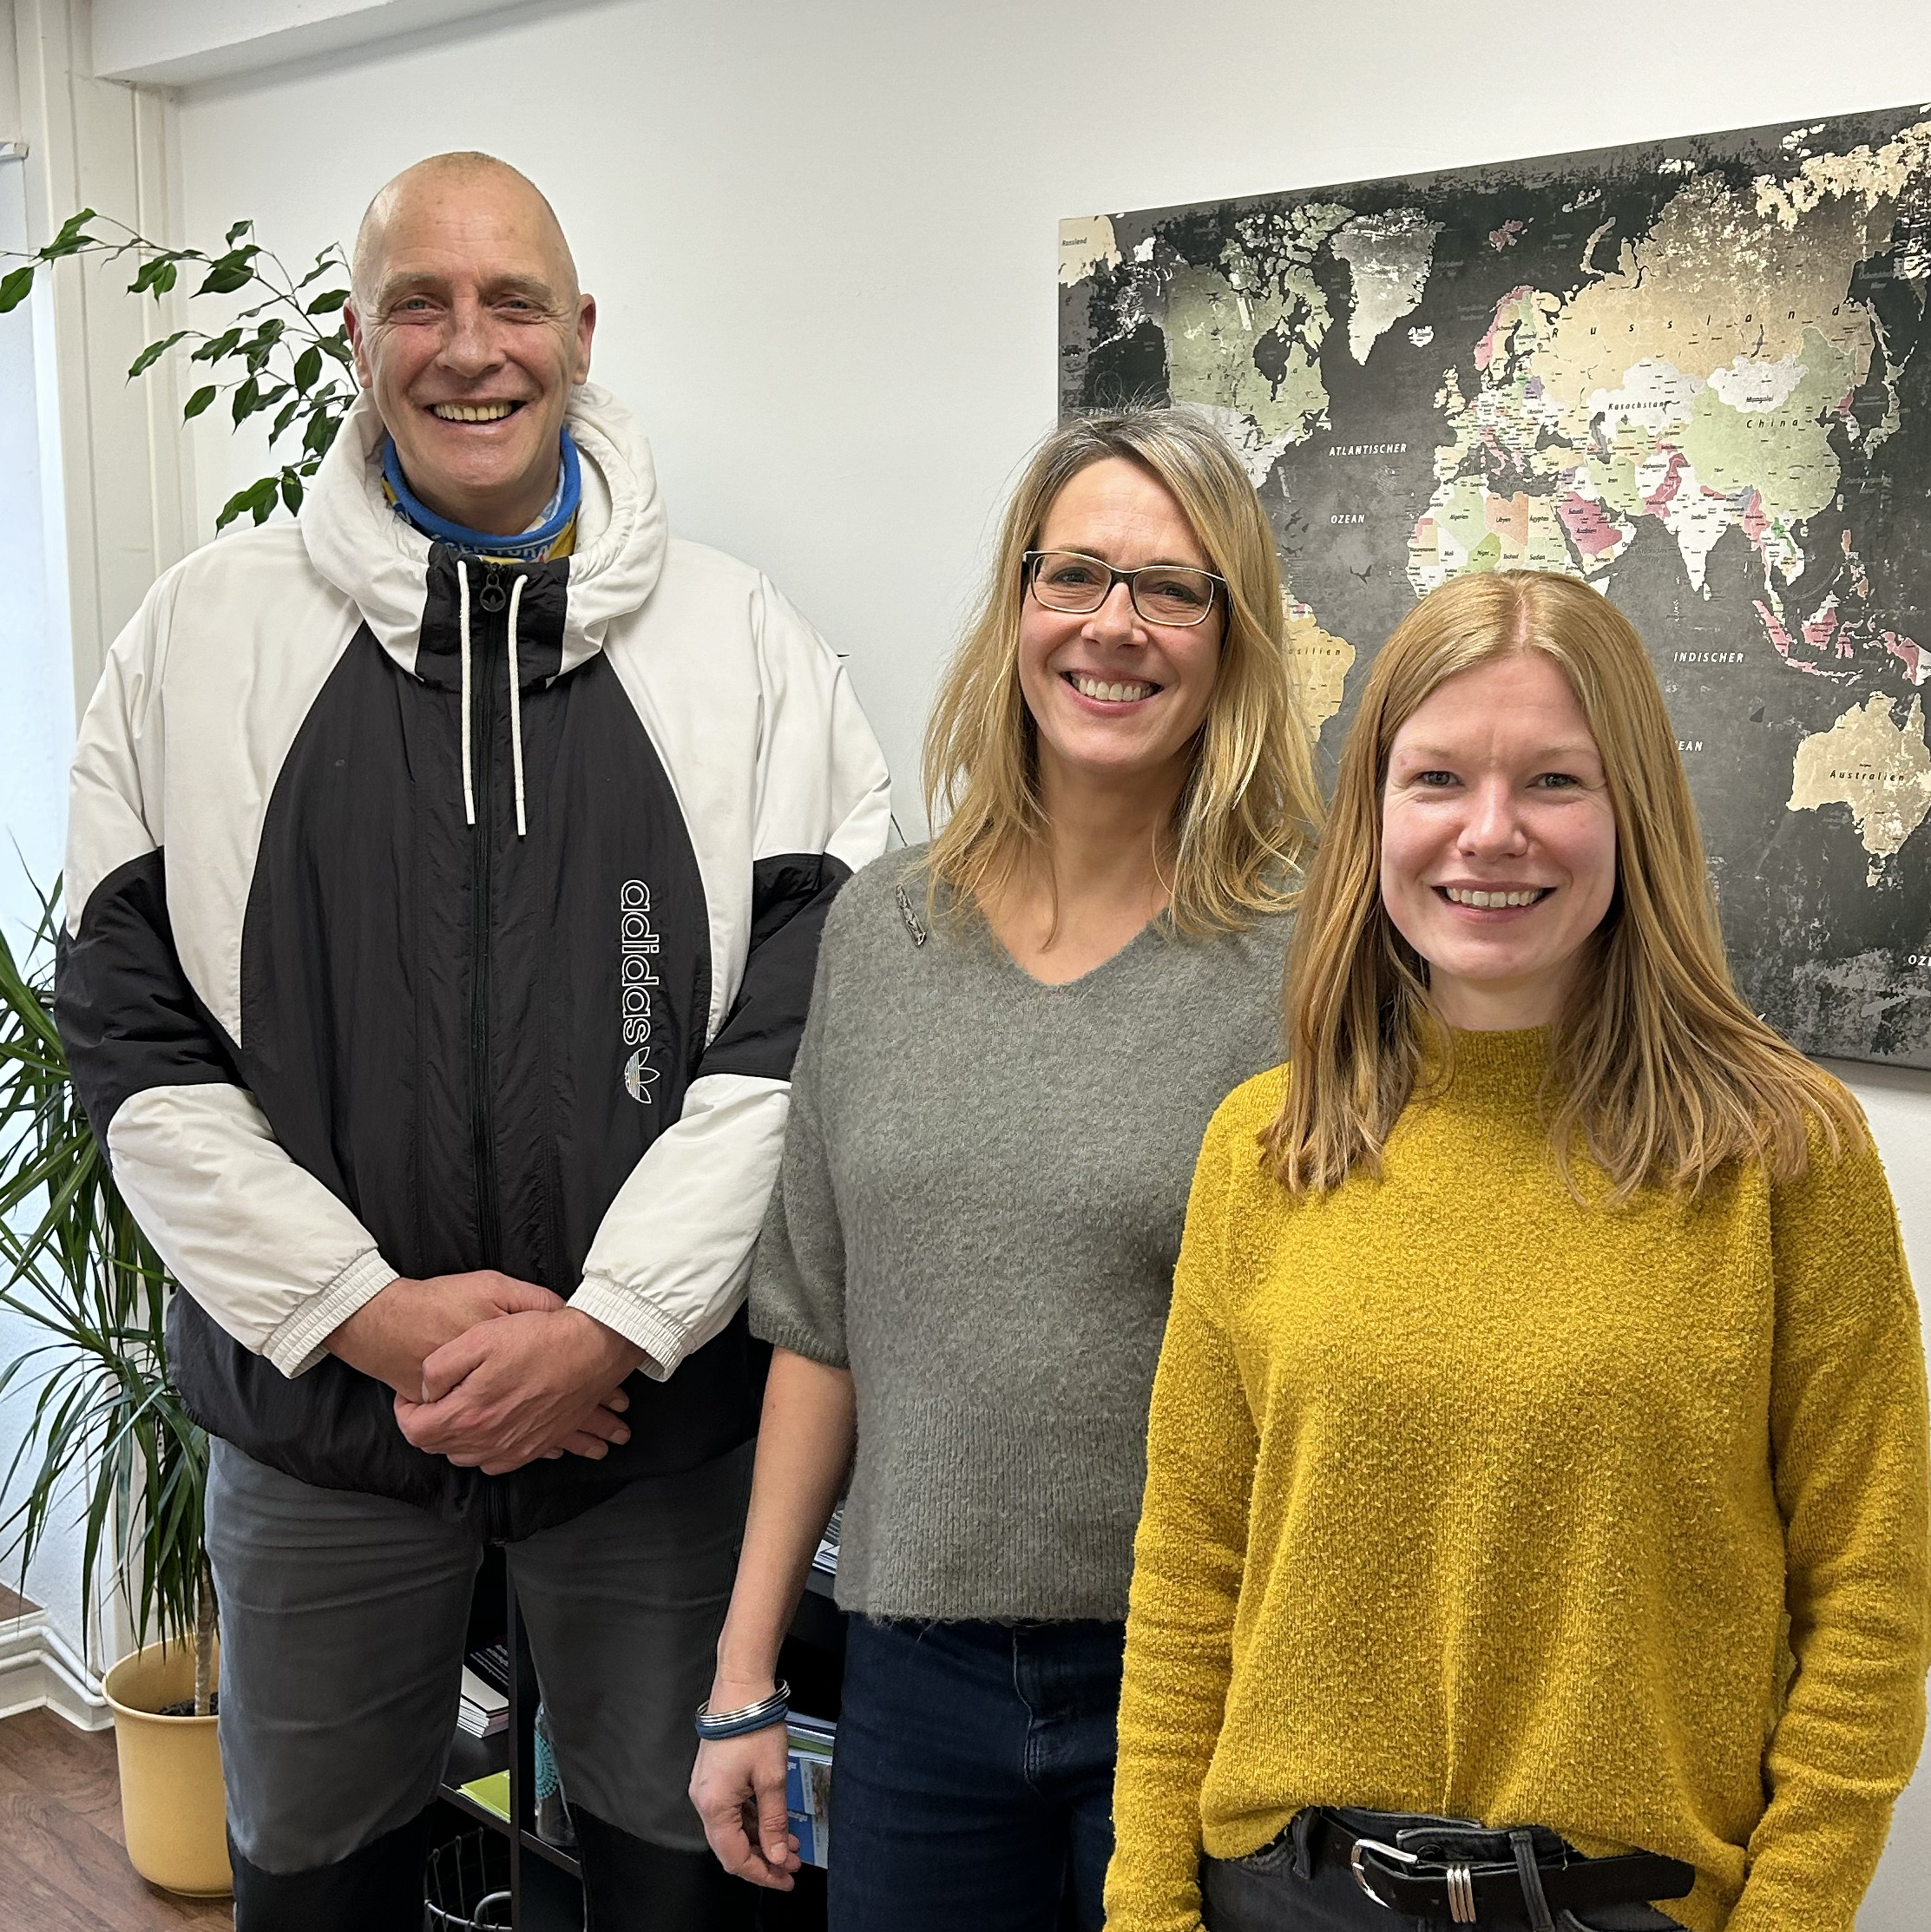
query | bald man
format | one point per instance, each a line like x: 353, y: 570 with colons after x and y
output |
x: 444, y: 882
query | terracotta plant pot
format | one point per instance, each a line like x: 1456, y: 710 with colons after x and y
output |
x: 171, y: 1804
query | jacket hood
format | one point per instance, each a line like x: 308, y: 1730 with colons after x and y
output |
x: 372, y: 556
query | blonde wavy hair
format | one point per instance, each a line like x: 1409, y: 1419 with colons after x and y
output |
x: 1247, y: 813
x: 1657, y: 1070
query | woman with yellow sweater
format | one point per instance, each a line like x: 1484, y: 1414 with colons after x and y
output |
x: 1536, y: 1517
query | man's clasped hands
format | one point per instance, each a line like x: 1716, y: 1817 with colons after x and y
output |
x: 492, y: 1372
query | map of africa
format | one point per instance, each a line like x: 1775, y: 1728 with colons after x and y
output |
x: 1696, y: 374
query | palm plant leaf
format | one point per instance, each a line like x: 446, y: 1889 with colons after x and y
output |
x: 105, y: 1419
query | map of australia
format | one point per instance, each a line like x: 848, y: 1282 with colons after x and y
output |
x: 1695, y: 374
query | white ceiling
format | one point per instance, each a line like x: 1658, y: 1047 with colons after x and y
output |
x: 180, y: 42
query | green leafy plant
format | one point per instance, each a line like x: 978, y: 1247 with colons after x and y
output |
x: 75, y: 1265
x: 288, y: 351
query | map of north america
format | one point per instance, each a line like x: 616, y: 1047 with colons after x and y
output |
x: 1695, y: 374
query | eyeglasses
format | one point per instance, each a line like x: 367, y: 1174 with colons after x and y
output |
x: 1171, y: 594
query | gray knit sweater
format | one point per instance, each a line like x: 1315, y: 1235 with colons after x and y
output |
x: 978, y: 1213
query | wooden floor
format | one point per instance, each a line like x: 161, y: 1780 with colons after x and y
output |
x: 61, y: 1865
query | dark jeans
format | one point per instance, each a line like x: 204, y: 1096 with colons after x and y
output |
x: 972, y: 1785
x: 1262, y: 1893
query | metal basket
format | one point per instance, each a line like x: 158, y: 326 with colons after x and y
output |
x: 466, y: 1887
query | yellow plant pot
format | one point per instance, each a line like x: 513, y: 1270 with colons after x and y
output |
x: 172, y: 1807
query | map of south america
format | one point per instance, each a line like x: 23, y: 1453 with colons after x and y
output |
x: 1695, y: 374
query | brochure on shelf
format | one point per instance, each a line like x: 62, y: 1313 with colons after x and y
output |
x: 491, y: 1663
x: 492, y: 1793
x: 484, y: 1710
x: 808, y: 1785
x: 826, y: 1556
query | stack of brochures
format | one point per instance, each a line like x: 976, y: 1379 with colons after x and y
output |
x: 827, y: 1557
x: 808, y: 1785
x: 484, y: 1710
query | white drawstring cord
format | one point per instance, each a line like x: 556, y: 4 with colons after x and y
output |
x: 516, y: 705
x: 462, y: 628
x: 515, y: 698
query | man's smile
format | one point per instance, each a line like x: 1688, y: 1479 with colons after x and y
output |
x: 474, y: 412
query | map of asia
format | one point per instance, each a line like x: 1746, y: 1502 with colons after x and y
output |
x: 1696, y: 375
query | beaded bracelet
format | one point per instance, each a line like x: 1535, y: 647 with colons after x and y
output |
x: 759, y: 1715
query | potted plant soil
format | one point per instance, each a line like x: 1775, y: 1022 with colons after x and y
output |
x: 105, y: 1418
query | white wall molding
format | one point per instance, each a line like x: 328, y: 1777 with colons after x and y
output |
x: 38, y: 1668
x: 127, y: 483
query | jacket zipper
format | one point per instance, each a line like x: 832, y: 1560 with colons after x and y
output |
x: 482, y: 1125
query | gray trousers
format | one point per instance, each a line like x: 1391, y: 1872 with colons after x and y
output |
x: 342, y: 1618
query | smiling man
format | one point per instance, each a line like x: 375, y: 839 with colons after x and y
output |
x: 471, y: 382
x: 445, y: 877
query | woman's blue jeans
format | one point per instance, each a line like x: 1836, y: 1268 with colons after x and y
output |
x: 972, y: 1783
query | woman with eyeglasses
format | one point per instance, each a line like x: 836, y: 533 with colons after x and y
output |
x: 1535, y: 1530
x: 1017, y: 1036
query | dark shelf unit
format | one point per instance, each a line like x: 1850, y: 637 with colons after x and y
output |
x: 546, y: 1891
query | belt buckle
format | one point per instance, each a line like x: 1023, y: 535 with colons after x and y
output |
x: 1363, y: 1845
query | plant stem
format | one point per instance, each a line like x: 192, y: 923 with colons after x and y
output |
x: 204, y: 1638
x: 288, y: 297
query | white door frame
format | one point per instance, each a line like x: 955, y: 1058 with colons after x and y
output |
x: 126, y: 477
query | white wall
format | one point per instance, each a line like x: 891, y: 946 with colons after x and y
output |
x: 823, y: 236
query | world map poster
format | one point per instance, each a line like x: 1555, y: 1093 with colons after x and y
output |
x: 1696, y: 374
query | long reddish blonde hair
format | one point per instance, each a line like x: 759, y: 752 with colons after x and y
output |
x: 1659, y: 1070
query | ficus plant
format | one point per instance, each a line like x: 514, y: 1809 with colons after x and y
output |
x: 286, y: 352
x: 75, y: 1266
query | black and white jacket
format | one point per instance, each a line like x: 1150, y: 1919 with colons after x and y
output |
x: 426, y: 915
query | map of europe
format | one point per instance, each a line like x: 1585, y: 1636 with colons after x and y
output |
x: 1696, y: 374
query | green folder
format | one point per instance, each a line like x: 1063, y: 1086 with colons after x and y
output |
x: 492, y: 1793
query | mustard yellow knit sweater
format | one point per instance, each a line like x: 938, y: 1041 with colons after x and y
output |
x: 1465, y: 1498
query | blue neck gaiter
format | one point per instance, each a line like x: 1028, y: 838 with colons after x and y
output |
x: 531, y: 545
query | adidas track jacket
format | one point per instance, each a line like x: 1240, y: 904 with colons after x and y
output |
x: 426, y: 915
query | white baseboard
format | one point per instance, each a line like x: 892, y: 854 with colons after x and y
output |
x: 37, y: 1668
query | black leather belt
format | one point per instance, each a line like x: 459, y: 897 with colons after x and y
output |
x: 1467, y: 1875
